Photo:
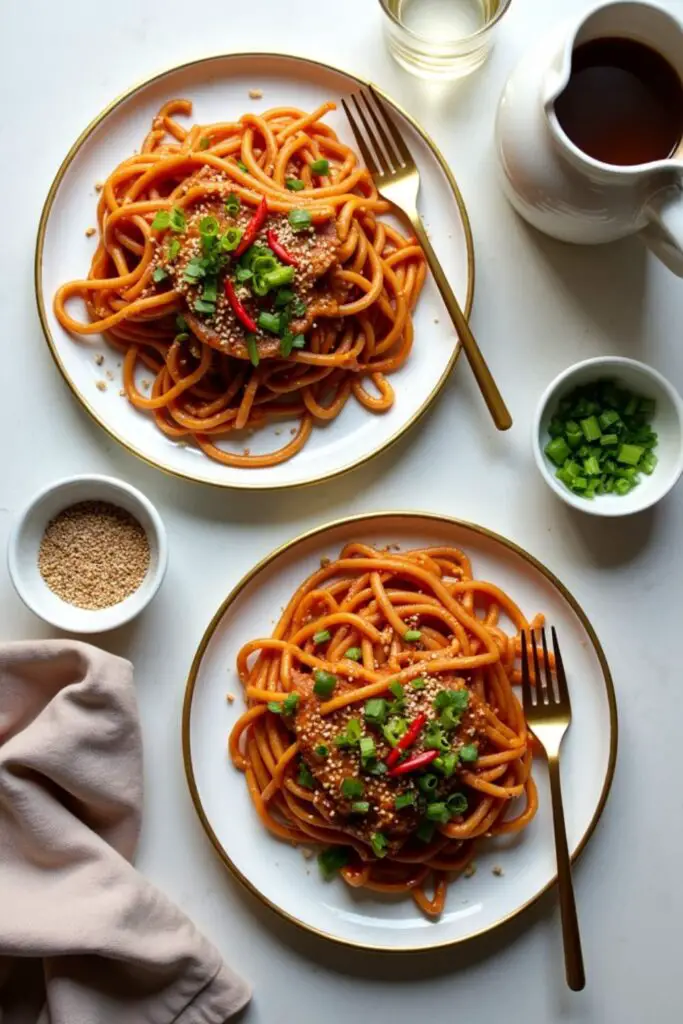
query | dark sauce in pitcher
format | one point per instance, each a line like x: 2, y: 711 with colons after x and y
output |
x: 623, y: 103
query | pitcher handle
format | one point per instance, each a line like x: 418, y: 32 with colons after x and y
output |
x: 663, y: 233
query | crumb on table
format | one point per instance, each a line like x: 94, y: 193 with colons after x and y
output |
x: 99, y: 185
x: 89, y: 232
x: 255, y: 94
x: 230, y: 697
x: 99, y: 358
x: 497, y: 870
x: 101, y: 385
x: 470, y: 870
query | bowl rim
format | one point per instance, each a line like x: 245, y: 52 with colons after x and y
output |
x: 91, y: 618
x: 596, y: 508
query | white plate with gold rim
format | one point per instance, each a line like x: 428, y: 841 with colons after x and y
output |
x: 276, y: 872
x: 219, y: 89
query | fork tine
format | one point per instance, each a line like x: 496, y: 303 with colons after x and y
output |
x: 380, y: 156
x: 548, y: 673
x: 527, y: 701
x: 562, y: 688
x: 362, y: 145
x: 395, y: 134
x: 541, y: 692
x: 390, y: 150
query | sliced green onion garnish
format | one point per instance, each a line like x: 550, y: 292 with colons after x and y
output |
x: 252, y: 348
x: 397, y: 689
x: 298, y: 341
x: 277, y: 277
x: 446, y: 763
x: 294, y: 184
x: 232, y: 204
x: 208, y: 226
x: 323, y: 683
x: 379, y: 844
x: 201, y: 306
x: 298, y: 307
x: 320, y: 166
x: 394, y: 729
x: 181, y: 322
x: 330, y: 861
x: 366, y: 745
x: 160, y: 274
x: 242, y: 166
x: 404, y: 800
x: 469, y: 752
x: 204, y: 142
x: 269, y: 322
x: 229, y: 241
x: 457, y: 803
x: 243, y: 273
x: 427, y: 783
x: 375, y: 710
x: 419, y: 683
x: 322, y: 750
x: 360, y: 807
x: 351, y: 788
x: 275, y: 706
x: 299, y: 219
x: 411, y: 635
x: 322, y: 637
x: 438, y: 812
x: 353, y: 654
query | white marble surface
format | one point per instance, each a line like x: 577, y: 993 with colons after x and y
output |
x: 538, y: 306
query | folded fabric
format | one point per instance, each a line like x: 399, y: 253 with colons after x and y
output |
x: 84, y: 938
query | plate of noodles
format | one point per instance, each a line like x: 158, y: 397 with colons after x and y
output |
x: 354, y: 741
x: 222, y: 287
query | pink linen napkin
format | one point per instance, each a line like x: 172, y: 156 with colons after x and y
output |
x: 84, y: 938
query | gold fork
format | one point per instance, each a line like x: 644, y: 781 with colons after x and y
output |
x: 397, y: 179
x: 548, y: 713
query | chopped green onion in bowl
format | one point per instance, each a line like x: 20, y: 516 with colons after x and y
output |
x: 640, y: 402
x: 601, y: 439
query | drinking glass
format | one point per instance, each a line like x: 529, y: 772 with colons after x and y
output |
x: 441, y: 38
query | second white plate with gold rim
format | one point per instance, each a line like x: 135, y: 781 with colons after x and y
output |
x: 219, y: 89
x: 276, y: 872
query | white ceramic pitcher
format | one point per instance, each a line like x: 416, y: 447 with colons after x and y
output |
x: 557, y: 187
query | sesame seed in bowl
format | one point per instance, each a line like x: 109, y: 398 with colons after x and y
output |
x: 88, y: 554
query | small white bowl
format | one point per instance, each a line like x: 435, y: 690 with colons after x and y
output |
x: 643, y: 381
x: 27, y: 533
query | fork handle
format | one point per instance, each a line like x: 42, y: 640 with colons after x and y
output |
x: 573, y: 957
x: 487, y: 385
